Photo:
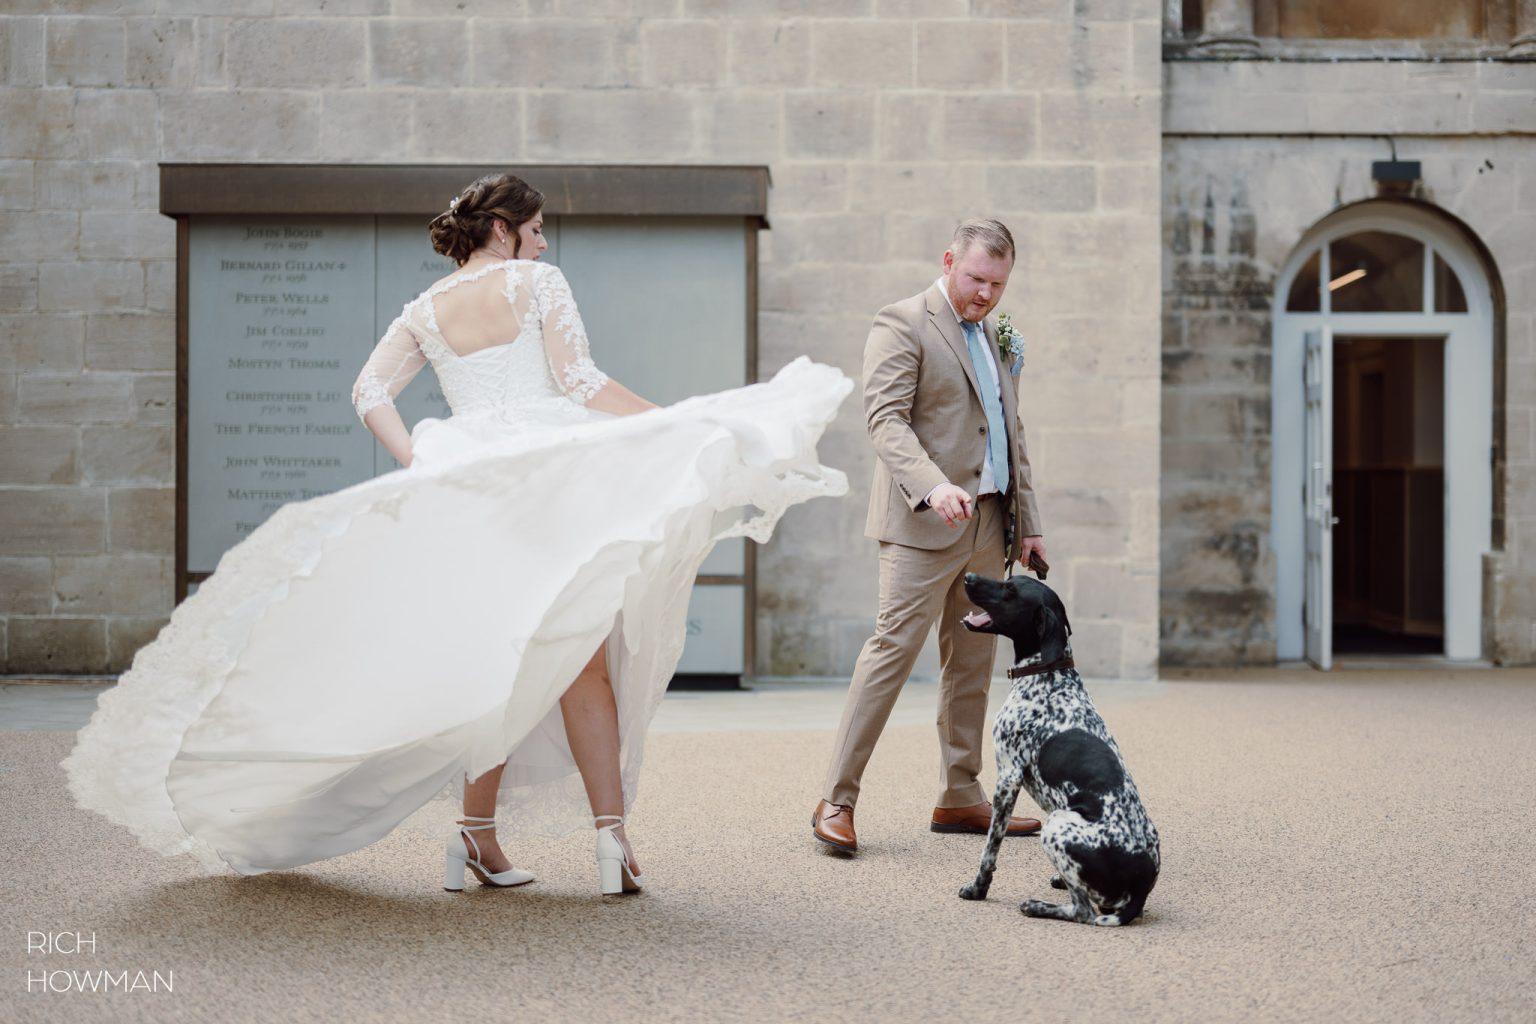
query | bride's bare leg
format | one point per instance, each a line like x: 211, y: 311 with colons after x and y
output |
x: 480, y: 802
x: 591, y: 717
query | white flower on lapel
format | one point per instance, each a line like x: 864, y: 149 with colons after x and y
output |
x: 1010, y: 342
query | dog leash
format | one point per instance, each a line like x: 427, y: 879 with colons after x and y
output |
x: 1036, y: 565
x: 1035, y: 670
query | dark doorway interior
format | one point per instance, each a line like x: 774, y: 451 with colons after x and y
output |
x: 1388, y: 495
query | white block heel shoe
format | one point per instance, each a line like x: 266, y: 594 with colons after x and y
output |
x: 612, y: 864
x: 458, y: 859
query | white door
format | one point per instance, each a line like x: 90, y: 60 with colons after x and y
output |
x: 1468, y: 486
x: 1456, y: 303
x: 1318, y: 498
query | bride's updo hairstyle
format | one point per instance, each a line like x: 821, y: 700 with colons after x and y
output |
x: 466, y: 224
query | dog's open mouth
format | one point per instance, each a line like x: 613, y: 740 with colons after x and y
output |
x: 977, y: 620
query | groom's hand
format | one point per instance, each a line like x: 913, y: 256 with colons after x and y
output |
x: 951, y: 502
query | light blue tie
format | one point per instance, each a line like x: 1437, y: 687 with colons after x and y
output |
x: 997, y: 435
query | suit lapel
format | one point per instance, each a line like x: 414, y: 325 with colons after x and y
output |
x: 943, y: 320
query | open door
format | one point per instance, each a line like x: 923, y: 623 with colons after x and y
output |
x: 1318, y: 498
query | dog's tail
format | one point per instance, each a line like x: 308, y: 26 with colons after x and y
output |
x: 1127, y: 913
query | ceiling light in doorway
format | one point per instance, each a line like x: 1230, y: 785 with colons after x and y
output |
x: 1344, y: 279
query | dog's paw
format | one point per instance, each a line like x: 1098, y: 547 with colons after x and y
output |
x: 1037, y: 908
x: 973, y: 892
x: 1057, y: 882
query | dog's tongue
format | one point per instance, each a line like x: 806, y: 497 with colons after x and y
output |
x: 977, y: 620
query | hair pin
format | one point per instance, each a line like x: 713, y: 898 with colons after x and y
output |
x: 453, y: 204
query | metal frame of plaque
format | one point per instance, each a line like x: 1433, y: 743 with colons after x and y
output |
x: 287, y: 242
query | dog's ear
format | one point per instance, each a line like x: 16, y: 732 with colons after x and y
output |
x: 1053, y: 636
x: 1060, y: 610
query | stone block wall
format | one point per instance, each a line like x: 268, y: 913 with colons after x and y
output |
x: 1256, y: 153
x: 883, y: 122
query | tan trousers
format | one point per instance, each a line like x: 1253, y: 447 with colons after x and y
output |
x: 917, y: 589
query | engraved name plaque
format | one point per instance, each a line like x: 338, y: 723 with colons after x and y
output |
x: 280, y: 315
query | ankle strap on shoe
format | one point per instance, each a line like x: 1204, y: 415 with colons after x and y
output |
x: 617, y: 819
x: 475, y: 828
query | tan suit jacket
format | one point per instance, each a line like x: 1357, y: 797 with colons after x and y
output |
x: 922, y: 404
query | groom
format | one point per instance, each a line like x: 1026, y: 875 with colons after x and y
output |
x: 952, y: 495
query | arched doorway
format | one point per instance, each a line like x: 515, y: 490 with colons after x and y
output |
x: 1382, y: 419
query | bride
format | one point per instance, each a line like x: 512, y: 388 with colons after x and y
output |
x: 496, y: 619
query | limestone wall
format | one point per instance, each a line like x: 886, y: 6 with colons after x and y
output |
x: 882, y: 121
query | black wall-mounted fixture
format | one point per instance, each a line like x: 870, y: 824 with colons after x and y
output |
x: 1395, y: 175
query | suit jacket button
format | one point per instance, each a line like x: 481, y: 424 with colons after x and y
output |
x: 981, y: 430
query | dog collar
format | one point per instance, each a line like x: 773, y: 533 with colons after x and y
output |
x: 1035, y: 670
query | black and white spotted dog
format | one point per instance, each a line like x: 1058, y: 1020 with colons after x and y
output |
x: 1051, y: 741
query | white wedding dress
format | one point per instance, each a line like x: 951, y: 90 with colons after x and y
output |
x: 360, y: 652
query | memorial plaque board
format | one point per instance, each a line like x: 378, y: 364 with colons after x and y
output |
x: 715, y: 617
x: 664, y: 300
x: 280, y: 317
x: 281, y: 313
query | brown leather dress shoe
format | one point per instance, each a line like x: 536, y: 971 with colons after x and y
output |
x: 976, y: 820
x: 833, y: 825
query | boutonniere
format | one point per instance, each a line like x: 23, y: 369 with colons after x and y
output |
x: 1010, y: 342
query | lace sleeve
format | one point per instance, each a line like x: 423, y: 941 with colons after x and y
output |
x: 565, y: 339
x: 395, y: 362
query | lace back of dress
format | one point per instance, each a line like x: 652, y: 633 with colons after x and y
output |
x: 496, y: 336
x: 475, y: 311
x: 484, y: 339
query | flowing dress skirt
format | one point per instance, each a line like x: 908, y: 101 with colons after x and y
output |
x: 360, y: 652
